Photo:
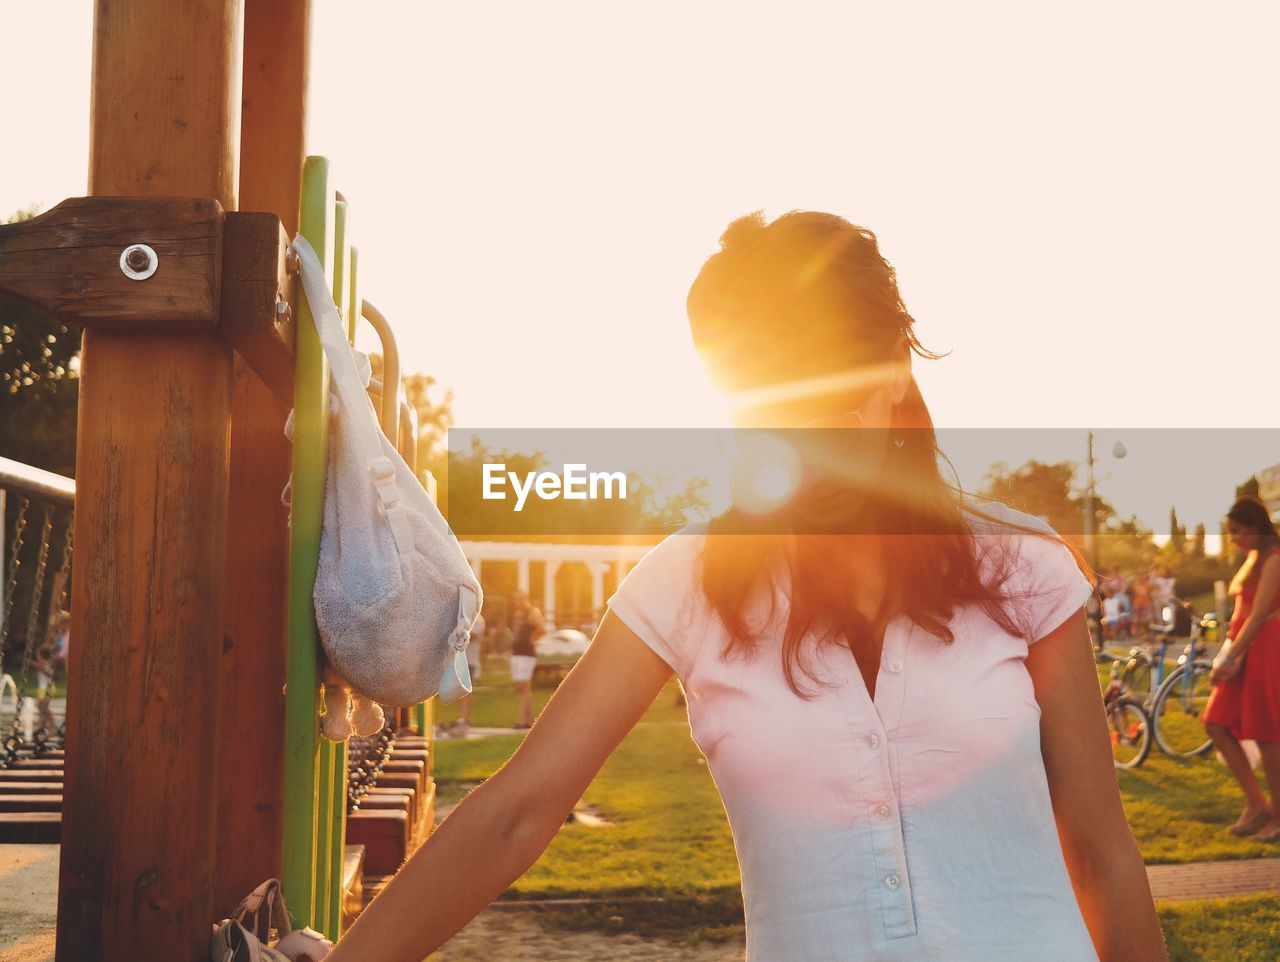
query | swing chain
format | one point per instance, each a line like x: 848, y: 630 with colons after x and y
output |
x: 37, y: 592
x: 13, y: 742
x: 9, y: 748
x: 15, y: 561
x: 45, y: 740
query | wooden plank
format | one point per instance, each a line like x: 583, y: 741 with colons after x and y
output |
x: 67, y: 261
x: 37, y: 764
x: 386, y: 838
x: 30, y: 803
x: 256, y: 293
x: 32, y: 828
x: 251, y: 725
x: 137, y: 858
x: 37, y: 775
x: 352, y: 883
x: 30, y: 788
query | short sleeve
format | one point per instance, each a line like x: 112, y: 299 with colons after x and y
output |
x: 660, y: 599
x: 1045, y: 581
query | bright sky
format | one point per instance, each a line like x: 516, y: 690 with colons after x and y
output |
x: 1080, y: 200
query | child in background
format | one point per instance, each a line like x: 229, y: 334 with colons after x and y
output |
x: 1115, y: 614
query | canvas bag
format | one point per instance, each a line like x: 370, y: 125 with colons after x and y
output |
x: 394, y: 597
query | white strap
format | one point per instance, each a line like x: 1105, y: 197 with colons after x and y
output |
x: 346, y: 383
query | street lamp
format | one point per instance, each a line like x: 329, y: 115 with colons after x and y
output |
x: 1118, y: 451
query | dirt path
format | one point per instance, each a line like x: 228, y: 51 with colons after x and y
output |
x: 518, y: 936
x: 28, y: 902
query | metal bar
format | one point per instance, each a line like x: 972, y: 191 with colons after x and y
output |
x: 310, y: 448
x: 390, y: 369
x: 36, y: 482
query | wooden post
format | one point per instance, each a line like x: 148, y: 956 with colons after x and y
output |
x: 136, y: 878
x: 251, y: 733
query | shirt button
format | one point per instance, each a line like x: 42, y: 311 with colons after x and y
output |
x: 873, y: 741
x: 892, y: 882
x: 882, y: 811
x: 895, y: 666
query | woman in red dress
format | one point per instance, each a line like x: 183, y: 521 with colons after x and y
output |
x: 1245, y: 702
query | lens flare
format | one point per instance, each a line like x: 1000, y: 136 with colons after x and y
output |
x: 765, y: 473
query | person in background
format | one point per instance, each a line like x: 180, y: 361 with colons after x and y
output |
x: 1245, y: 701
x: 49, y: 660
x: 1115, y: 582
x: 474, y: 646
x: 527, y: 627
x: 1164, y: 590
x: 1142, y: 611
x: 1115, y: 614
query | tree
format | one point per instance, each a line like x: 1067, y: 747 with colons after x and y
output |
x: 39, y: 384
x: 1197, y: 541
x: 1047, y: 491
x: 433, y: 404
x: 1177, y: 533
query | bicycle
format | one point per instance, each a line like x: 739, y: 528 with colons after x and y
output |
x: 1180, y: 698
x: 1127, y: 720
x: 1146, y: 670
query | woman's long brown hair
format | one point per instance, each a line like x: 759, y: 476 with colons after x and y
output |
x: 804, y: 297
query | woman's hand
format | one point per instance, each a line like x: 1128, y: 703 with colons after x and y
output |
x: 1227, y: 665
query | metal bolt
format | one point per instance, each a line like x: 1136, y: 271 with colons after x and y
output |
x: 138, y: 262
x: 283, y: 311
x: 292, y: 262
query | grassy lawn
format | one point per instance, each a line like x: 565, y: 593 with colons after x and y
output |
x: 670, y: 837
x: 1244, y: 929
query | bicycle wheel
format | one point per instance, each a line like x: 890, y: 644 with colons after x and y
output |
x: 1138, y: 676
x: 1175, y: 715
x: 1130, y: 728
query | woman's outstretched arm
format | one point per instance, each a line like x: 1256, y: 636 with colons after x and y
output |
x: 1106, y: 869
x: 501, y: 828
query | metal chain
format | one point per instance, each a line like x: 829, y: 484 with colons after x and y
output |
x: 46, y: 740
x: 14, y: 742
x: 9, y: 749
x: 15, y: 562
x: 37, y: 593
x: 365, y: 764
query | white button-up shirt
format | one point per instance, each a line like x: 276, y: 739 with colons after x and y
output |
x: 913, y: 826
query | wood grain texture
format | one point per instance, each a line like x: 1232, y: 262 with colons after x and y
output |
x: 136, y: 874
x: 67, y: 261
x: 254, y: 281
x: 251, y: 730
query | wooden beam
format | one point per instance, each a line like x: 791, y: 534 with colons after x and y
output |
x: 251, y: 731
x: 257, y: 317
x: 67, y: 261
x: 136, y: 873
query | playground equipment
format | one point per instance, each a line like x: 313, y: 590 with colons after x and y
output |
x: 194, y: 768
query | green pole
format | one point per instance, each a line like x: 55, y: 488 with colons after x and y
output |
x: 310, y: 436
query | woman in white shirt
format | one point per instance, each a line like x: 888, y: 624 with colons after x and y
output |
x: 894, y: 690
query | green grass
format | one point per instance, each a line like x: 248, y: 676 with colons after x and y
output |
x: 1243, y: 929
x: 1179, y: 809
x: 670, y: 837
